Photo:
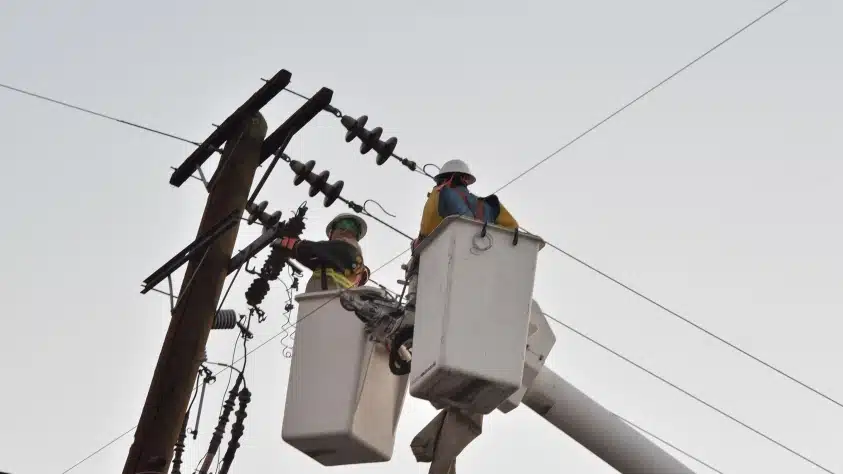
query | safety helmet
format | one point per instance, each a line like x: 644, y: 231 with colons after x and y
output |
x: 456, y: 166
x: 361, y: 224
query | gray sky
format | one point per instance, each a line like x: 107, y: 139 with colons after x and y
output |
x: 717, y: 195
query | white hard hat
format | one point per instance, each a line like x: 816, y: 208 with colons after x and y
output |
x: 360, y: 223
x: 456, y: 166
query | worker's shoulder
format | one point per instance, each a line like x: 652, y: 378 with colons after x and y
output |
x: 434, y: 192
x: 493, y: 199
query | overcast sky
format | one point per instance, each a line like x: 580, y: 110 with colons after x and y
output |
x: 718, y: 195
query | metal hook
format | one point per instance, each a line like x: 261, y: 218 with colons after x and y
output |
x: 424, y: 169
x: 367, y: 201
x: 333, y: 111
x: 252, y: 270
x: 261, y: 318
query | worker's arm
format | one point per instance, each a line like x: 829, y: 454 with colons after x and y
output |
x: 335, y: 254
x: 430, y: 216
x: 504, y: 218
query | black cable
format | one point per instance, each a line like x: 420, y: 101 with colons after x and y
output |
x: 627, y: 287
x: 303, y: 318
x: 692, y: 323
x: 390, y: 226
x: 502, y: 187
x: 686, y: 453
x: 687, y: 393
x: 108, y: 117
x: 296, y: 93
x: 99, y: 450
x: 633, y: 101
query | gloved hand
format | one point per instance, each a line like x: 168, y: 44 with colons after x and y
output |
x: 335, y: 254
x: 364, y: 277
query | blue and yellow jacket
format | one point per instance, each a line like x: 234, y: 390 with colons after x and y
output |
x: 445, y: 201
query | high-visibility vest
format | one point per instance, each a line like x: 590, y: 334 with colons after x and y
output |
x: 349, y: 279
x: 341, y: 280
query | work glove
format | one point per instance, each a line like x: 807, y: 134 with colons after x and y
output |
x: 335, y: 254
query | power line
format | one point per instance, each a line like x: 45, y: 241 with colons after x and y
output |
x: 689, y: 394
x: 618, y: 282
x: 692, y: 323
x: 754, y: 430
x: 504, y: 186
x: 633, y: 101
x: 668, y: 443
x: 301, y: 320
x: 98, y: 114
x: 627, y: 287
x: 664, y: 308
x: 225, y: 369
x: 99, y: 450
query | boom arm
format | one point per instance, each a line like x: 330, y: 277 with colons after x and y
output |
x: 596, y: 428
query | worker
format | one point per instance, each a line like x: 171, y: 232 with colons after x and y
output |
x: 451, y: 197
x: 338, y: 262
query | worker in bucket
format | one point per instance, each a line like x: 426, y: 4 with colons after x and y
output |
x: 451, y: 197
x: 336, y: 263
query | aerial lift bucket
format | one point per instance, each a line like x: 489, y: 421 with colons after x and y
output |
x: 343, y: 403
x: 473, y: 304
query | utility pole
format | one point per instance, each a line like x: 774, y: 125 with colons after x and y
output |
x: 169, y: 392
x: 209, y: 260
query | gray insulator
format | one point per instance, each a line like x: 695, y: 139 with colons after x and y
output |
x: 225, y: 319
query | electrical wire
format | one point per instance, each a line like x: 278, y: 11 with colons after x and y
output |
x: 98, y: 114
x: 242, y: 369
x: 692, y: 323
x: 627, y: 287
x: 647, y: 92
x: 668, y: 443
x: 65, y: 104
x: 303, y: 318
x: 118, y: 438
x: 618, y: 282
x: 754, y: 430
x: 687, y: 393
x: 187, y: 294
x: 513, y: 180
x: 288, y: 313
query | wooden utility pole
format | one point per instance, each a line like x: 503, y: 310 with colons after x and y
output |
x: 193, y: 315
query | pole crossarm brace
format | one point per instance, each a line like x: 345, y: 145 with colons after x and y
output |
x: 277, y: 141
x: 193, y: 249
x: 222, y: 133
